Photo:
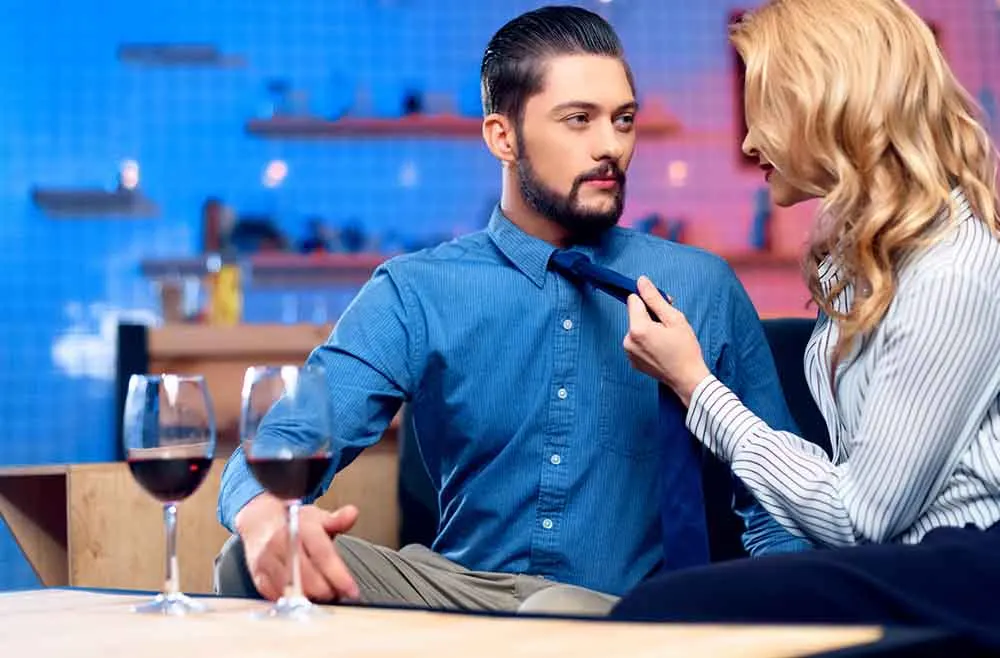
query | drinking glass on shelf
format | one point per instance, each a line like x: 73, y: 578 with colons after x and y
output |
x: 285, y: 433
x: 169, y: 434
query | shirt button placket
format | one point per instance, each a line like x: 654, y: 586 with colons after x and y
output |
x: 554, y: 481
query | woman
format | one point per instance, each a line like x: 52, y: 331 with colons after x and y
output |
x: 851, y: 102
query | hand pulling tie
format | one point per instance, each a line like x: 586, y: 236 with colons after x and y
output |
x: 578, y: 267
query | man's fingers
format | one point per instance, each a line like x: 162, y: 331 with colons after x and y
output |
x: 340, y: 520
x: 318, y: 546
x: 269, y: 576
x: 314, y: 584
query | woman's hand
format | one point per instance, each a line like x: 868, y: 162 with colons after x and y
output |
x: 667, y: 350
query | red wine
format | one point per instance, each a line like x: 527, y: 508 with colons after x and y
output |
x: 290, y: 479
x: 170, y: 479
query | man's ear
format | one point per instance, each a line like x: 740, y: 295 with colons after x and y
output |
x: 498, y: 133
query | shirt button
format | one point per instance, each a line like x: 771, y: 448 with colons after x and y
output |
x: 562, y: 393
x: 567, y: 324
x: 555, y: 460
x: 547, y: 524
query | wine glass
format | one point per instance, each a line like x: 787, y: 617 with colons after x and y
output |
x: 169, y: 434
x: 285, y: 433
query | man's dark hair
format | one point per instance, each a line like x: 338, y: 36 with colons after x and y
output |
x: 513, y: 64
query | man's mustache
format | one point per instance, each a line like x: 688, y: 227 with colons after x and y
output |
x: 604, y: 172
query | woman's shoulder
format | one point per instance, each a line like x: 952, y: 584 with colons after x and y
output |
x: 968, y: 253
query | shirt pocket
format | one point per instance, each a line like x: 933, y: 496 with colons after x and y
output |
x: 628, y: 418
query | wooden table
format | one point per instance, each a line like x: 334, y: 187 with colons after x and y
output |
x: 88, y: 624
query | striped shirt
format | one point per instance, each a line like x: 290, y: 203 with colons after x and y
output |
x: 915, y: 420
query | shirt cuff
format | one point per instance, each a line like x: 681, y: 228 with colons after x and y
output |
x: 718, y: 419
x: 238, y: 488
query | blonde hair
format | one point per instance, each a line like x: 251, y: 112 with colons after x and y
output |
x: 853, y: 102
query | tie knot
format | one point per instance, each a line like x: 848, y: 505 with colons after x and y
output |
x: 568, y: 261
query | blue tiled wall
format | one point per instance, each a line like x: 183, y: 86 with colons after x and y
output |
x: 71, y: 112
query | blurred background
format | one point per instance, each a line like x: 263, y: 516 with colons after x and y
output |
x: 233, y: 164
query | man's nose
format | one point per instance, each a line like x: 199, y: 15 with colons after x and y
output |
x: 610, y: 143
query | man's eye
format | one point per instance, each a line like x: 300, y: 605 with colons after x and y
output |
x: 577, y: 120
x: 625, y: 121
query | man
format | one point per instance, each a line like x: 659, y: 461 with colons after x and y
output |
x: 542, y: 441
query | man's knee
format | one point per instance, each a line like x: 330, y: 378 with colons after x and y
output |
x: 231, y: 576
x: 568, y: 600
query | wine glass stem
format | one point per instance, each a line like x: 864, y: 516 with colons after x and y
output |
x: 294, y: 589
x: 172, y: 585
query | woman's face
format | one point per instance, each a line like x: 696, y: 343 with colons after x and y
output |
x: 783, y: 193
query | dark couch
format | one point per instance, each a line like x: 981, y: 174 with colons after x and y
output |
x: 787, y: 338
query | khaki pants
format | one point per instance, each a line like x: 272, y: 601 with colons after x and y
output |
x: 417, y: 576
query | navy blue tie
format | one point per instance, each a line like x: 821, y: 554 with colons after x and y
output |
x: 578, y: 267
x: 685, y: 533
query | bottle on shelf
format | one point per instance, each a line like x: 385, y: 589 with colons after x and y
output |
x: 225, y: 292
x: 760, y: 230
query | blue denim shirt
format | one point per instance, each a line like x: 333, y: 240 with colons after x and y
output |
x: 538, y: 434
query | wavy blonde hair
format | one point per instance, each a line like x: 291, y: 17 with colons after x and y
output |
x: 853, y: 102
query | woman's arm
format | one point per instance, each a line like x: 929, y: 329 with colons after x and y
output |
x: 936, y: 378
x: 746, y: 366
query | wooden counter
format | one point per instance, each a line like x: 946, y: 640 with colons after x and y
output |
x: 222, y: 355
x: 91, y: 525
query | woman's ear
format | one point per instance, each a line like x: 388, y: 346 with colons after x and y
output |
x: 498, y: 133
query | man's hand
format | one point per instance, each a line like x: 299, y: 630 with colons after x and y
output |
x: 263, y: 526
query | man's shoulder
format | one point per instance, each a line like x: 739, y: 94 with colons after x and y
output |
x: 651, y: 251
x: 458, y: 251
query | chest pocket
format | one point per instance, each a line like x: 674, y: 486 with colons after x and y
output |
x: 628, y: 418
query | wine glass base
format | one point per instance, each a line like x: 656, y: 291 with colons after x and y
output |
x: 297, y: 608
x: 171, y: 605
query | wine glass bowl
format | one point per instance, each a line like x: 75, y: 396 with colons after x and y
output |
x: 169, y: 439
x: 286, y: 438
x: 170, y: 473
x: 291, y: 478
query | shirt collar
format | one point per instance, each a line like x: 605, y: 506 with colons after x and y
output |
x: 829, y: 274
x: 528, y: 254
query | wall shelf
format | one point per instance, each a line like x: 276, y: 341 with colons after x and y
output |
x: 291, y: 269
x: 177, y: 54
x: 279, y: 269
x: 295, y: 127
x: 84, y: 202
x: 762, y: 260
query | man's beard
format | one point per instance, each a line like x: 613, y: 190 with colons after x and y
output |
x: 584, y: 226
